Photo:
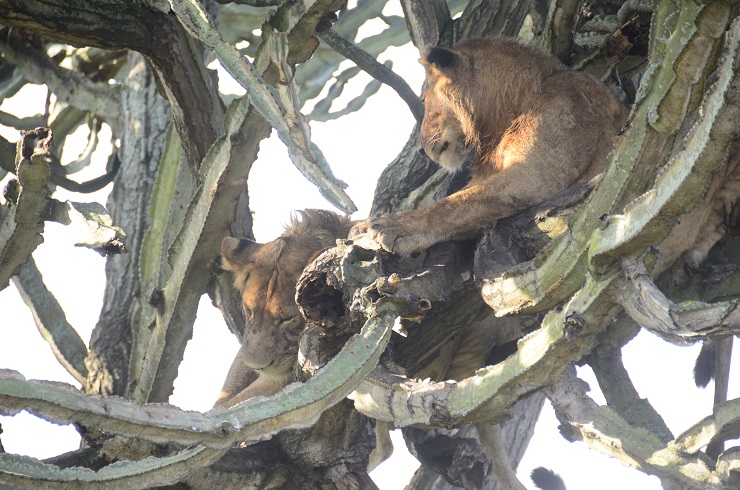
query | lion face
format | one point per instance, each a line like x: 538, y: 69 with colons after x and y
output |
x: 442, y: 137
x: 266, y: 279
x: 266, y: 276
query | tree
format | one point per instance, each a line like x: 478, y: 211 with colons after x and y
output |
x: 179, y: 177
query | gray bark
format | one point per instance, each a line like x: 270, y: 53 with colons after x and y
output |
x: 144, y: 128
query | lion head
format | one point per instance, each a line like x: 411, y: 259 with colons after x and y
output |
x: 473, y: 93
x: 266, y: 276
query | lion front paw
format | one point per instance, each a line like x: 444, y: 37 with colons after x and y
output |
x: 395, y: 233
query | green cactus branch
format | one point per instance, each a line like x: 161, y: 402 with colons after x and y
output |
x: 606, y: 432
x: 684, y: 180
x: 560, y: 268
x: 563, y: 338
x: 296, y: 406
x: 310, y: 163
x: 20, y: 231
x: 25, y: 472
x: 65, y: 342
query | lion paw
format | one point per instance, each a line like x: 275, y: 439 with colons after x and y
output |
x: 391, y: 234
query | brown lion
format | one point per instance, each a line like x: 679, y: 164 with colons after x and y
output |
x: 266, y: 276
x: 536, y: 126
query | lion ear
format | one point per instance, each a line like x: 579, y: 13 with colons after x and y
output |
x: 438, y: 57
x: 236, y: 252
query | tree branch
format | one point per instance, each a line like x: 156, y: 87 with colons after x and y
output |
x: 490, y: 436
x: 682, y: 323
x: 70, y: 86
x: 621, y: 395
x: 299, y: 405
x: 375, y: 70
x: 20, y: 231
x: 25, y: 472
x: 559, y: 26
x: 426, y: 21
x: 677, y: 462
x: 65, y: 342
x: 721, y: 386
x: 480, y: 19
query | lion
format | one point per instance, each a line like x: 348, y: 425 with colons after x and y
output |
x: 266, y: 276
x: 536, y: 127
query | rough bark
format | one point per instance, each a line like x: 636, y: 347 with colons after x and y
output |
x: 144, y: 130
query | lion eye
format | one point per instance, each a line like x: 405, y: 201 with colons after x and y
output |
x: 248, y: 314
x: 272, y: 285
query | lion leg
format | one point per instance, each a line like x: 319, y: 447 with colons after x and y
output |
x: 243, y: 383
x: 688, y: 244
x: 483, y: 201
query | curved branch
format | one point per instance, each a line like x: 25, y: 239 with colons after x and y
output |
x: 298, y: 405
x: 25, y: 472
x: 678, y: 462
x: 70, y: 86
x: 65, y: 342
x: 375, y: 70
x: 682, y: 323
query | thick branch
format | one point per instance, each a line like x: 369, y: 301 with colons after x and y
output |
x: 491, y: 437
x: 426, y: 21
x: 24, y: 472
x: 621, y: 395
x: 606, y: 432
x: 299, y: 405
x: 682, y: 323
x: 559, y: 27
x: 482, y: 18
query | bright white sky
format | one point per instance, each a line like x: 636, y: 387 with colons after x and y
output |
x: 358, y: 147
